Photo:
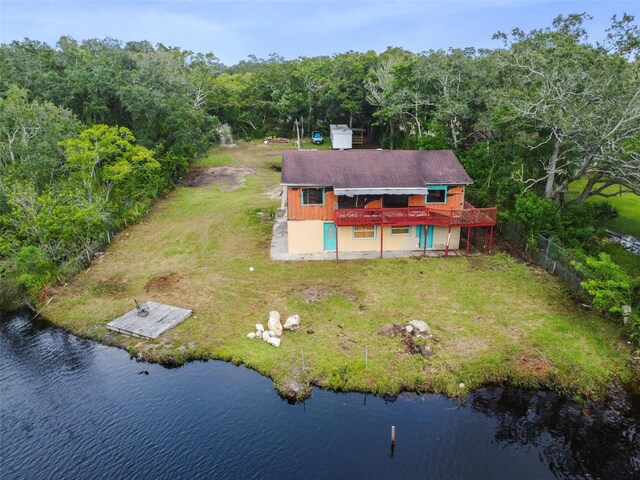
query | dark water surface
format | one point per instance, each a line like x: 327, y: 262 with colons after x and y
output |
x: 71, y: 408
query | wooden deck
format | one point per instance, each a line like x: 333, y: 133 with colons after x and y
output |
x: 160, y: 319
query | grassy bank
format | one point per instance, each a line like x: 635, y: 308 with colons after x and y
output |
x: 627, y: 205
x: 494, y: 319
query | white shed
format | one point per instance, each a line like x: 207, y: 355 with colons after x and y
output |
x: 341, y: 136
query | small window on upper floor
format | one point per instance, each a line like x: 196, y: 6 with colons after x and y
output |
x: 437, y: 194
x: 312, y: 196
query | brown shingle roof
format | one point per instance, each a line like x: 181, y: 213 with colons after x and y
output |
x: 372, y: 168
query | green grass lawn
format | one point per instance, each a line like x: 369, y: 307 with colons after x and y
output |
x: 494, y: 319
x: 627, y: 205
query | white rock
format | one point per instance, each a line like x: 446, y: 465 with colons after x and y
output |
x: 274, y: 323
x: 258, y: 334
x: 251, y: 335
x: 259, y: 327
x: 420, y: 327
x: 409, y: 328
x: 272, y: 333
x: 274, y: 341
x: 266, y: 336
x: 292, y: 323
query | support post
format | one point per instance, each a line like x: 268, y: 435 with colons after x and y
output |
x: 393, y: 440
x: 424, y: 240
x: 381, y: 238
x: 484, y: 239
x: 336, y: 240
x: 468, y: 238
x: 491, y: 240
x: 446, y: 250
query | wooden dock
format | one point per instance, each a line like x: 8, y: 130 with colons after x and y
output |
x: 159, y: 319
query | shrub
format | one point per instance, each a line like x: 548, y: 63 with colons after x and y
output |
x: 12, y: 294
x: 536, y: 215
x: 609, y: 285
x: 34, y: 269
x: 580, y: 226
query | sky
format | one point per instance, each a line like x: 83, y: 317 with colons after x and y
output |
x: 232, y: 30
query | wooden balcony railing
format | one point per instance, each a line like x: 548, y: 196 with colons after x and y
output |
x: 467, y: 217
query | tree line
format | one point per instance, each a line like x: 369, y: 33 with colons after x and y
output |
x: 91, y: 132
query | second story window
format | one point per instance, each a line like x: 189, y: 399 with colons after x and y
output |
x: 313, y: 196
x: 437, y: 194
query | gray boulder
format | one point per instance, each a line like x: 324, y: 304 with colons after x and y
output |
x: 292, y: 323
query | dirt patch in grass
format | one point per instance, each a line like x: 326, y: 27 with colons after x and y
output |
x: 411, y: 345
x: 345, y: 342
x: 538, y: 366
x: 115, y: 286
x: 315, y: 295
x: 199, y: 176
x: 162, y: 282
x: 391, y: 330
x: 275, y: 192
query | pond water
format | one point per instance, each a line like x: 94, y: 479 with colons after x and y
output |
x: 72, y: 408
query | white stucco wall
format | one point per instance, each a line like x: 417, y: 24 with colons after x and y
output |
x: 307, y: 236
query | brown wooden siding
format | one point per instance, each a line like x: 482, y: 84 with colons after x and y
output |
x: 297, y: 211
x: 455, y: 197
x: 374, y: 204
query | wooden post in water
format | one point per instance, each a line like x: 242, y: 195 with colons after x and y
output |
x: 393, y: 440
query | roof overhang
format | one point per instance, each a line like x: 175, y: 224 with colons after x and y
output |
x: 352, y: 192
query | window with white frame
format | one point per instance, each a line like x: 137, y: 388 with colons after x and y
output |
x: 364, y: 232
x: 400, y: 230
x: 312, y: 196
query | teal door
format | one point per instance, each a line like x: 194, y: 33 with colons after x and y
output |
x: 329, y: 236
x: 420, y: 235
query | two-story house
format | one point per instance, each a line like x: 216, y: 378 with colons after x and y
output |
x: 386, y: 200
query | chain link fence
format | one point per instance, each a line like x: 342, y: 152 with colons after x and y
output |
x: 547, y: 254
x: 625, y: 225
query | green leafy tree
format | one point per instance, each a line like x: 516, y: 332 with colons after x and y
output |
x: 575, y: 106
x: 106, y: 157
x: 29, y: 137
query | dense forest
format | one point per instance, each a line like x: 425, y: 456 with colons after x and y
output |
x: 91, y: 132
